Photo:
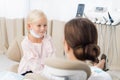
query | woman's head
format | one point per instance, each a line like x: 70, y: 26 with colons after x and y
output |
x: 81, y: 36
x: 37, y: 23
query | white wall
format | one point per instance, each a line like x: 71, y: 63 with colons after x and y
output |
x: 66, y: 9
x: 56, y: 9
x: 13, y: 8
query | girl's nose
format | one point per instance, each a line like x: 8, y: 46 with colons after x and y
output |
x: 42, y: 27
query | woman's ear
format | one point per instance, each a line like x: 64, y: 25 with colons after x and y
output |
x: 68, y: 51
x: 66, y: 46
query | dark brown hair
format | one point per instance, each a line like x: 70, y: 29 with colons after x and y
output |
x: 81, y: 35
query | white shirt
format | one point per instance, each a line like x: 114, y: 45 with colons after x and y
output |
x: 99, y: 74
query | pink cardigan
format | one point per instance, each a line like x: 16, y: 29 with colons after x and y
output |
x: 34, y: 54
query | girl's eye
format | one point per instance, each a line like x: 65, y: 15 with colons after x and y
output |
x: 42, y: 25
x: 45, y: 25
x: 39, y: 25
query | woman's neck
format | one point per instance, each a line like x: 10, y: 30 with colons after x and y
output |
x: 34, y: 40
x: 71, y: 55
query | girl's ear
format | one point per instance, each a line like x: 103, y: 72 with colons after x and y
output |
x: 28, y: 26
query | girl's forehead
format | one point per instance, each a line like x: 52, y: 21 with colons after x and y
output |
x: 41, y: 21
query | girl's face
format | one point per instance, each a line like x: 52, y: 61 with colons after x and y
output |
x: 40, y: 26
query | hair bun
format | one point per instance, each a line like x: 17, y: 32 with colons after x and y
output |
x: 92, y: 50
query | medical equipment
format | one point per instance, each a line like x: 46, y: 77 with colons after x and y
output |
x: 80, y: 10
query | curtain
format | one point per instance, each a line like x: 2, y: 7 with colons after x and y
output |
x: 109, y: 42
x: 12, y: 14
x: 9, y: 30
x: 3, y: 36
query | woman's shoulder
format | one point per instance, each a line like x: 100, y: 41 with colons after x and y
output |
x: 99, y: 74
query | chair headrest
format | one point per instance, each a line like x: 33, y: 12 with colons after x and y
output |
x: 66, y: 68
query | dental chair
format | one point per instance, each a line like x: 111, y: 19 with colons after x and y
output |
x: 15, y: 53
x: 59, y: 69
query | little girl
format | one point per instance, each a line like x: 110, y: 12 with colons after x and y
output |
x: 36, y: 45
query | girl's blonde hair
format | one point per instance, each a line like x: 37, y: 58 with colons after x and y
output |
x: 35, y: 15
